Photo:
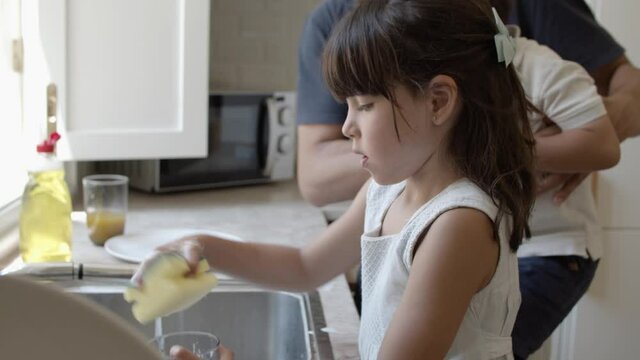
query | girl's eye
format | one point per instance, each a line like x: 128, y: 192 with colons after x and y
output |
x: 365, y: 107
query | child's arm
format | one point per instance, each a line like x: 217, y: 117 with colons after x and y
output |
x: 456, y: 259
x: 593, y: 146
x: 566, y: 94
x: 334, y: 252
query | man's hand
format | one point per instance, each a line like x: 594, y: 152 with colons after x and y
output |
x: 619, y: 84
x: 624, y: 114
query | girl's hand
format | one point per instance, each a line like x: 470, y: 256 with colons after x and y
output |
x: 548, y: 181
x: 569, y: 183
x: 188, y: 247
x: 550, y: 130
x: 180, y: 353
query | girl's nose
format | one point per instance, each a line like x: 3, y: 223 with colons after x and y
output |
x: 348, y: 128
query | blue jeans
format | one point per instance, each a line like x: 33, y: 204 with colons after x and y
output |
x: 550, y: 287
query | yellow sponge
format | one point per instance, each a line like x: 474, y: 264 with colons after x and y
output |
x: 167, y: 290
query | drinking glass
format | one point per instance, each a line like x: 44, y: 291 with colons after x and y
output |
x: 202, y: 344
x: 105, y: 202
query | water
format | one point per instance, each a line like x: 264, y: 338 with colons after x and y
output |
x: 158, y: 340
x: 158, y: 327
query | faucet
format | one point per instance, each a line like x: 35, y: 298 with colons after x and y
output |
x: 71, y: 270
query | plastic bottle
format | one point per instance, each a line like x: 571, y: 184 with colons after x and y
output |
x: 45, y: 217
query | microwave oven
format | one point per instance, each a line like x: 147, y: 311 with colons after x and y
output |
x: 251, y: 140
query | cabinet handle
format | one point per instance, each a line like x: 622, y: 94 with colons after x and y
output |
x: 52, y: 105
x: 18, y: 55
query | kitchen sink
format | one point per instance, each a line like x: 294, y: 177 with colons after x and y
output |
x: 256, y: 323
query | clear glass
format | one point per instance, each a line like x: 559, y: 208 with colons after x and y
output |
x: 202, y: 344
x: 105, y: 202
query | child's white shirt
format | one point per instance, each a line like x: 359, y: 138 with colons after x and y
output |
x: 485, y: 332
x: 567, y: 95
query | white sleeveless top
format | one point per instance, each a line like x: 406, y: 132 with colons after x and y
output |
x: 485, y: 332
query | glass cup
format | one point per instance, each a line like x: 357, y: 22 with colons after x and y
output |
x: 105, y: 203
x: 202, y: 344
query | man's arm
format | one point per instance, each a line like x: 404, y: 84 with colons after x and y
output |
x: 327, y: 169
x: 619, y: 83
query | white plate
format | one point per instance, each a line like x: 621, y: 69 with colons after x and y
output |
x: 136, y: 247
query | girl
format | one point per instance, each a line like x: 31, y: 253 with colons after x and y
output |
x: 441, y: 125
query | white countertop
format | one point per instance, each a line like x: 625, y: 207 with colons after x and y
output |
x: 273, y: 213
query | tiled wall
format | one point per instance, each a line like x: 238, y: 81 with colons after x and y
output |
x: 254, y: 43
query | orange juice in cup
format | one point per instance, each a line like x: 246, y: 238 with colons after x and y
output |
x: 105, y: 202
x: 104, y: 224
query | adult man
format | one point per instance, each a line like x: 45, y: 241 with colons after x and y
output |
x: 329, y: 172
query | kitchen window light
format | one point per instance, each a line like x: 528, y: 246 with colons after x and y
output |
x: 13, y: 174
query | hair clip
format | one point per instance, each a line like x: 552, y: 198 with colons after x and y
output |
x: 505, y: 44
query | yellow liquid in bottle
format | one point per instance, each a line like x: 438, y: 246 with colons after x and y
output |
x: 45, y: 219
x: 104, y: 224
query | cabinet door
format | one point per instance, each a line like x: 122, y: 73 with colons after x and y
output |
x: 607, y: 319
x: 606, y: 322
x: 118, y: 79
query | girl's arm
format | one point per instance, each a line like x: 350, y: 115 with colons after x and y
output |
x: 591, y: 147
x: 335, y: 251
x: 456, y: 259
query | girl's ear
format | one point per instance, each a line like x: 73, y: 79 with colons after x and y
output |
x: 443, y: 98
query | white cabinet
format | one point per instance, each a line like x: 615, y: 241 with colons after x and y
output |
x: 607, y: 320
x: 605, y: 324
x: 121, y: 78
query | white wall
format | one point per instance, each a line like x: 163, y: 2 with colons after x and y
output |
x: 619, y: 198
x: 254, y: 43
x: 620, y: 17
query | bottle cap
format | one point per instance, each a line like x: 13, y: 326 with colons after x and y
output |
x: 48, y: 145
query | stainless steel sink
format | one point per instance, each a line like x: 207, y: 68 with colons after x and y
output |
x: 256, y: 323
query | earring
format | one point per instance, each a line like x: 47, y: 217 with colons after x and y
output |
x: 435, y: 118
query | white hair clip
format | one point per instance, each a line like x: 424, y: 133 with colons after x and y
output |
x: 505, y: 44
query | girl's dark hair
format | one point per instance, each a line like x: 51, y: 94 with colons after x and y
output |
x: 383, y: 43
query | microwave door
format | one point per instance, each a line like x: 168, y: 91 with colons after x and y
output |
x: 238, y: 153
x: 270, y: 145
